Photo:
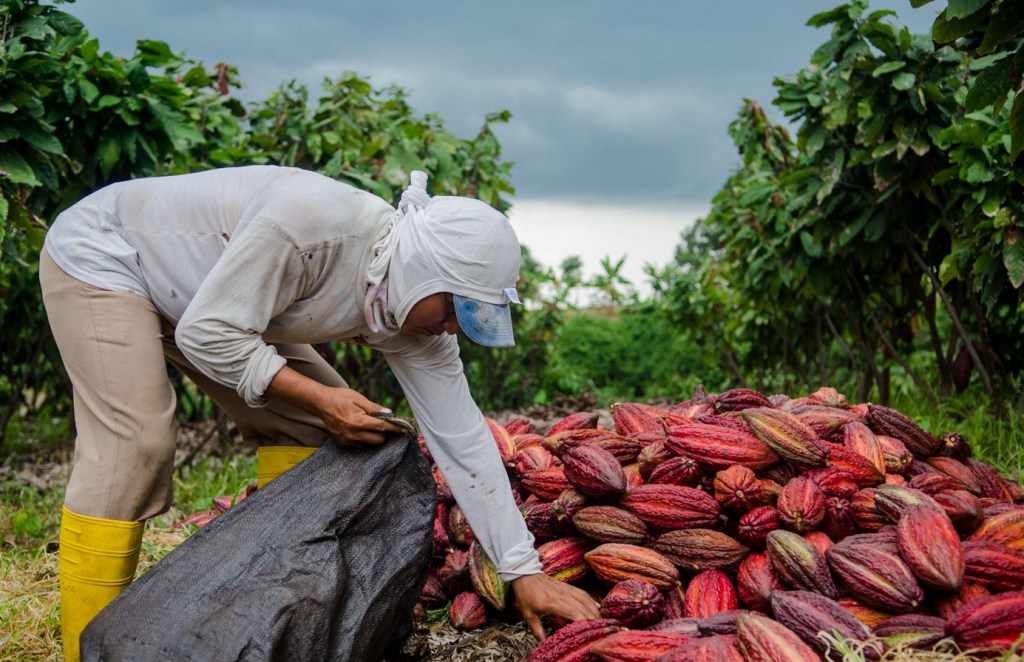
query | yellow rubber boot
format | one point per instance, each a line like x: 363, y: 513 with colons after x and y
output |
x: 272, y: 461
x: 97, y: 561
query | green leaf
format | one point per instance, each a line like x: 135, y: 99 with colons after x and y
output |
x: 945, y: 29
x: 1013, y: 256
x: 904, y: 81
x: 108, y: 153
x: 919, y: 3
x: 1017, y: 126
x: 810, y: 246
x: 41, y: 140
x: 65, y: 24
x: 963, y: 8
x: 88, y: 90
x: 16, y: 169
x: 107, y: 100
x: 988, y: 87
x: 888, y: 67
x: 4, y: 206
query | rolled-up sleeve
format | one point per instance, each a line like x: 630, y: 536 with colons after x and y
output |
x: 461, y: 444
x: 259, y: 275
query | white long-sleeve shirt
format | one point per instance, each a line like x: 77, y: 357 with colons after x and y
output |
x: 237, y: 258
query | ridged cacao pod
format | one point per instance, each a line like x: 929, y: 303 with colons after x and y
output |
x: 929, y: 545
x: 992, y: 486
x: 838, y: 522
x: 722, y: 648
x: 876, y: 577
x: 801, y: 505
x: 969, y: 592
x: 996, y: 620
x: 764, y: 640
x: 433, y: 592
x: 540, y: 521
x: 806, y: 614
x: 892, y: 501
x: 581, y: 420
x: 1006, y: 528
x: 518, y: 425
x: 994, y: 565
x: 953, y: 444
x: 724, y: 622
x: 637, y: 645
x: 565, y: 507
x: 738, y: 489
x: 610, y: 524
x: 864, y: 510
x: 798, y: 564
x: 573, y: 642
x: 546, y: 484
x: 484, y: 576
x: 709, y: 593
x: 958, y: 471
x: 714, y: 447
x: 459, y: 531
x: 860, y: 469
x: 859, y: 438
x: 826, y: 396
x: 564, y: 560
x: 454, y: 572
x: 700, y: 549
x: 467, y: 611
x: 912, y: 630
x: 594, y: 471
x: 614, y: 562
x: 669, y: 507
x: 503, y: 440
x: 528, y: 440
x: 738, y: 399
x: 890, y: 422
x: 834, y: 482
x: 633, y: 602
x: 755, y: 581
x: 679, y: 625
x: 533, y: 458
x: 935, y: 483
x: 651, y: 456
x: 869, y: 616
x: 630, y: 418
x: 827, y: 422
x: 787, y: 435
x: 679, y: 470
x: 895, y: 454
x: 755, y: 525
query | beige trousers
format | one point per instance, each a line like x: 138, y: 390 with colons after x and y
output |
x: 115, y: 347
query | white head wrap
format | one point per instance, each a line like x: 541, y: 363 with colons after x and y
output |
x: 441, y: 244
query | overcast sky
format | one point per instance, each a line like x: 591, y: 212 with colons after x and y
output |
x: 615, y: 104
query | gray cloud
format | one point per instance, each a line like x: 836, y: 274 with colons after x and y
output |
x: 611, y: 101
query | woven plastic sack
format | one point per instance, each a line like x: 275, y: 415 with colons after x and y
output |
x: 326, y: 562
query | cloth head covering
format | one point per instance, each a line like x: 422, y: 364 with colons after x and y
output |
x: 445, y: 244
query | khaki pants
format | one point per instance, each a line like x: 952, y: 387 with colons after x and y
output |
x: 115, y: 347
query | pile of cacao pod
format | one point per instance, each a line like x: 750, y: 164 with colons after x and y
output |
x: 736, y: 526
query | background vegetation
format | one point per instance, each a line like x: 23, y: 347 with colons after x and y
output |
x: 873, y: 242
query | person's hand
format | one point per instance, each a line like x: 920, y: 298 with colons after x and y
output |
x: 346, y: 413
x: 540, y: 595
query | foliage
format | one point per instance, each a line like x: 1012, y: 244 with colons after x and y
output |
x: 993, y: 32
x: 889, y: 224
x: 76, y: 118
x: 637, y: 354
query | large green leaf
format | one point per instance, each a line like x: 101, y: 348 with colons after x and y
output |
x: 948, y: 29
x: 988, y: 87
x: 1017, y: 126
x: 1013, y: 256
x: 962, y: 8
x: 15, y: 168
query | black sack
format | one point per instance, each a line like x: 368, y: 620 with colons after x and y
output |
x: 326, y: 562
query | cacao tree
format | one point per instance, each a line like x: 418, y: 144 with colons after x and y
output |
x: 885, y: 227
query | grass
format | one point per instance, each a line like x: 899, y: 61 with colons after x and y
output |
x: 30, y: 512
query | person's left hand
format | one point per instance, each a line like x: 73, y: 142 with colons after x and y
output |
x: 540, y: 595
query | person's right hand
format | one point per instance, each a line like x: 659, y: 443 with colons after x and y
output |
x: 346, y: 414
